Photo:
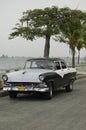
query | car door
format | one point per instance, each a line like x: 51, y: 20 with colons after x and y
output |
x: 66, y: 74
x: 60, y: 73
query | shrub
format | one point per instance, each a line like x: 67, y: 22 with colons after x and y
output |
x: 1, y: 84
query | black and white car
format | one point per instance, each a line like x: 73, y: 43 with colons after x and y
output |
x: 42, y: 75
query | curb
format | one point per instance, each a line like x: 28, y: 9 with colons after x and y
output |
x: 80, y: 76
x: 5, y: 93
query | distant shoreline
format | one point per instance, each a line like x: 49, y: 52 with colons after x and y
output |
x: 11, y: 63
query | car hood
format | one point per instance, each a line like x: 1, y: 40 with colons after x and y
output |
x: 30, y: 75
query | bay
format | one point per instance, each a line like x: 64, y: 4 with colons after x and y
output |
x: 12, y: 63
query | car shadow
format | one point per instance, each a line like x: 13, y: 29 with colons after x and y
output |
x: 39, y: 96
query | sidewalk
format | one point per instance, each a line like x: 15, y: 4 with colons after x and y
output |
x: 81, y: 70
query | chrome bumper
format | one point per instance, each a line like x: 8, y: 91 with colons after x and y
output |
x: 38, y: 88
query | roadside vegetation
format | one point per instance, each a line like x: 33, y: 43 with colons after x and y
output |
x: 1, y: 84
x: 62, y: 24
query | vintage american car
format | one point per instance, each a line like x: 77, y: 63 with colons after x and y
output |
x: 40, y: 75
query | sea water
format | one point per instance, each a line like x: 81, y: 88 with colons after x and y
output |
x: 12, y: 63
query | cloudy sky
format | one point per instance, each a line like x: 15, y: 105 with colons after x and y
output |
x: 11, y: 11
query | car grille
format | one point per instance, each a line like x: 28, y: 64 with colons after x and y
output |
x: 21, y: 83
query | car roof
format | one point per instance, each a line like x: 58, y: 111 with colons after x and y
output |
x: 53, y: 59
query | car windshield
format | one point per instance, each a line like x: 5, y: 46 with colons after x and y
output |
x: 42, y: 64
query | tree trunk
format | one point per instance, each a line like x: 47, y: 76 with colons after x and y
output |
x: 47, y: 46
x: 73, y: 56
x: 78, y: 56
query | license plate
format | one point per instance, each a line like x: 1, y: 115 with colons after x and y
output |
x: 21, y: 88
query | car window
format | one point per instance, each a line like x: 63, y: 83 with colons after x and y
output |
x: 57, y: 65
x: 34, y: 64
x: 43, y: 64
x: 28, y: 65
x: 63, y: 65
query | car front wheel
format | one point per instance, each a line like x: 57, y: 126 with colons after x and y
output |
x: 12, y: 94
x: 49, y: 94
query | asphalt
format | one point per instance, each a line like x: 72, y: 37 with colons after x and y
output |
x: 66, y: 111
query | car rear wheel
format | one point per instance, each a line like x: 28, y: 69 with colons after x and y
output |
x: 69, y: 87
x: 12, y: 94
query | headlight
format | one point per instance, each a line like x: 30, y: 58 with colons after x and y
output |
x: 41, y: 77
x: 5, y: 78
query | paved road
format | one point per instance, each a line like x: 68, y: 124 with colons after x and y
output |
x: 66, y: 111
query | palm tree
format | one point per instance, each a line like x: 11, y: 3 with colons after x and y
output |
x: 70, y: 26
x: 79, y: 47
x: 82, y: 39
